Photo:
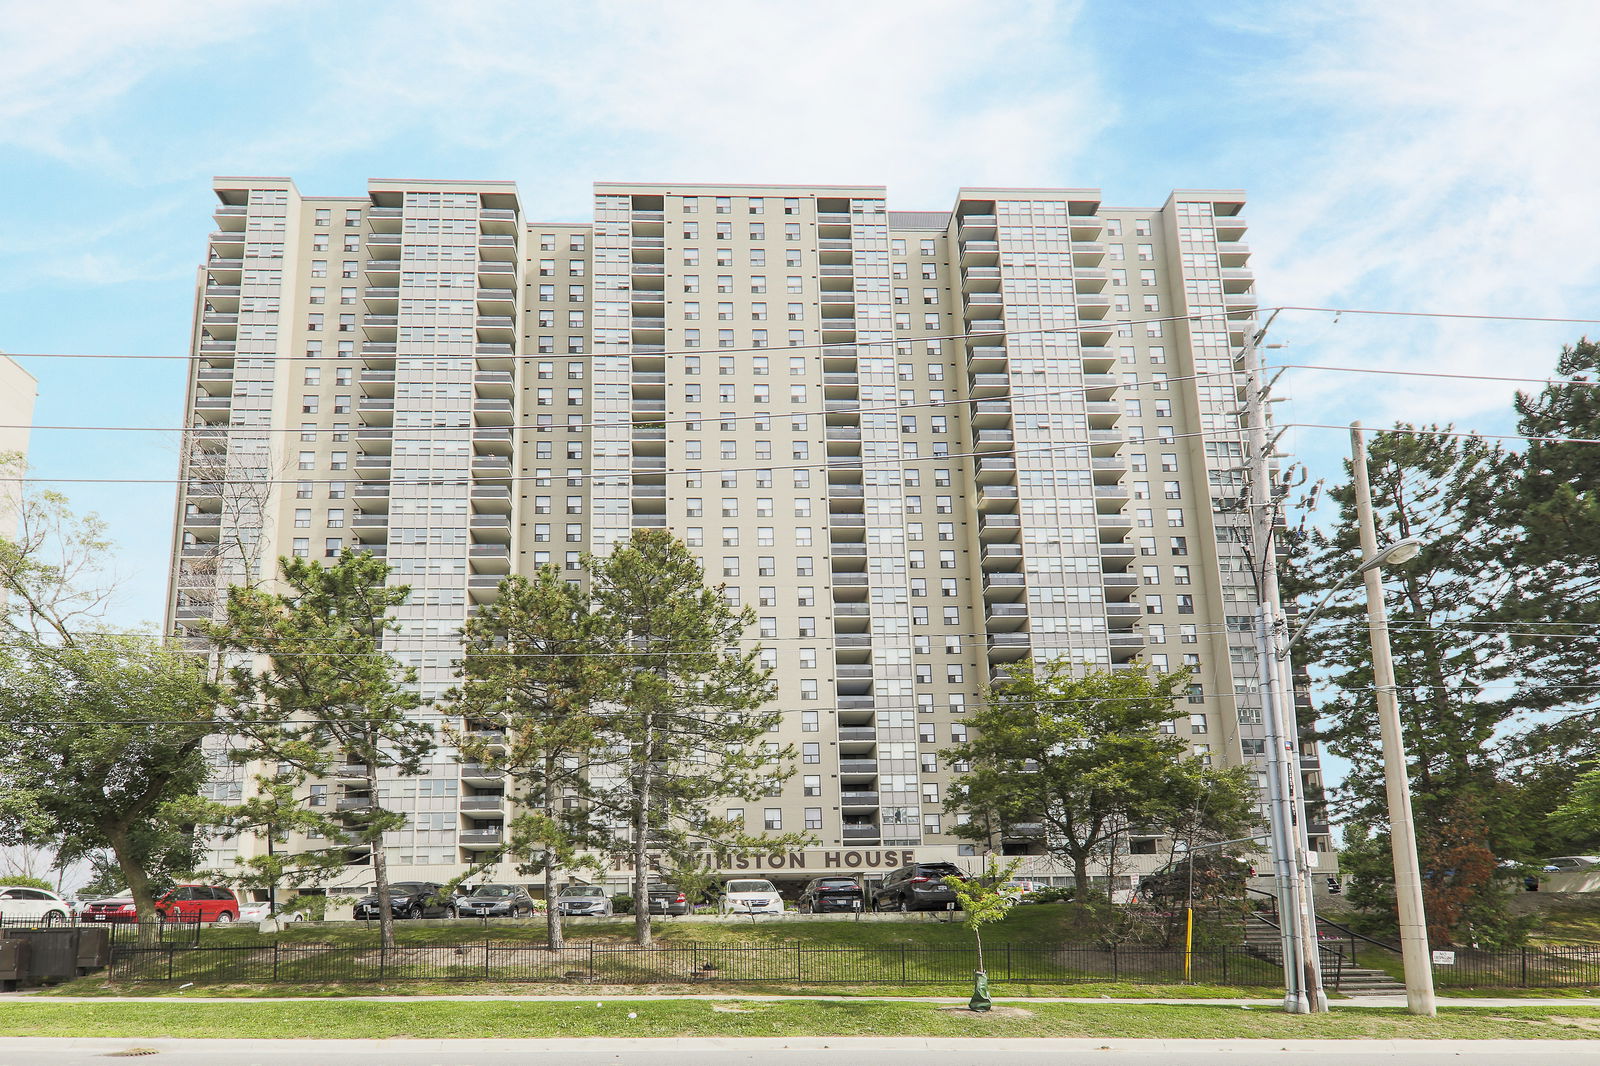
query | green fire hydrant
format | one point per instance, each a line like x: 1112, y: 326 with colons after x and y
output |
x: 980, y: 991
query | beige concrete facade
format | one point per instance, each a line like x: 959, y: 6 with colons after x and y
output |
x: 920, y: 444
x: 18, y: 391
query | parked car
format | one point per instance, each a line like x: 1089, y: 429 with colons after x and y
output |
x: 1561, y: 864
x: 199, y: 903
x: 495, y: 901
x: 1202, y: 876
x: 33, y: 904
x: 409, y: 899
x: 181, y: 903
x: 669, y: 899
x: 752, y: 896
x: 918, y: 887
x: 823, y: 894
x: 108, y: 909
x: 1021, y: 890
x: 592, y: 901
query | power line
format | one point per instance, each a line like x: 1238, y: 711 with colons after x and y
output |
x: 1009, y: 392
x: 1098, y: 327
x: 626, y: 477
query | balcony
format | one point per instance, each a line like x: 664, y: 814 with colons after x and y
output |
x: 490, y: 558
x: 480, y: 838
x: 492, y: 412
x: 491, y: 498
x: 472, y: 771
x: 490, y: 527
x: 859, y: 832
x: 858, y: 766
x: 492, y: 441
x: 858, y: 798
x: 1230, y: 229
x: 495, y: 804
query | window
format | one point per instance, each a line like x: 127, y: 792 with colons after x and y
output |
x: 772, y: 818
x: 811, y: 752
x: 813, y: 817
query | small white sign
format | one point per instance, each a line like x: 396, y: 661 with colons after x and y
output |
x: 1444, y: 958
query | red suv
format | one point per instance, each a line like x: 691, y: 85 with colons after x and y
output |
x: 202, y: 903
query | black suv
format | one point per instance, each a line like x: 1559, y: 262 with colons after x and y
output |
x: 918, y: 887
x: 409, y: 899
x: 823, y: 894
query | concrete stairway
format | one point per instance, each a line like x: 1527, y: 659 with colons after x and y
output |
x: 1262, y: 940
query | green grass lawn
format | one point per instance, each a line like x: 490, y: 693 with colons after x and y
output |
x: 1025, y: 956
x: 668, y: 1018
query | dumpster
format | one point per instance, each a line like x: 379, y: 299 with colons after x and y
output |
x: 94, y: 949
x: 53, y: 954
x: 13, y: 963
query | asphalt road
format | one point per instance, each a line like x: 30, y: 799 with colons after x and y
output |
x: 24, y: 1051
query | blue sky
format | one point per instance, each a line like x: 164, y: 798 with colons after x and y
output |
x: 1420, y: 156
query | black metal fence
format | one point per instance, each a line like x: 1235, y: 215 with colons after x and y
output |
x: 794, y: 964
x: 1576, y: 966
x: 176, y: 932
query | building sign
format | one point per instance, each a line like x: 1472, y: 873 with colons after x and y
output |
x: 808, y: 861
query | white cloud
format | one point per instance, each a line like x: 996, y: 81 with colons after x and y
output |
x: 921, y: 96
x: 66, y: 63
x: 1441, y: 158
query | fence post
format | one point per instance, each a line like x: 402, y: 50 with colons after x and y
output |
x: 1226, y: 951
x: 799, y: 964
x: 172, y: 953
x: 1116, y: 966
x: 1524, y: 983
x: 1008, y: 960
x: 902, y: 964
x: 383, y: 958
x: 488, y: 969
x: 591, y: 961
x: 275, y: 947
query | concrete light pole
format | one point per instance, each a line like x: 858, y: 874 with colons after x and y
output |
x: 1402, y: 827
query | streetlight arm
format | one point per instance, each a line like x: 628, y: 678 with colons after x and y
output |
x: 1294, y: 638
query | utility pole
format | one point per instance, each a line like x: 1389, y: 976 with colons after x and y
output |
x: 1302, y: 962
x: 1414, y: 953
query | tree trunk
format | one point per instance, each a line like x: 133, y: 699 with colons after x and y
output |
x: 978, y: 939
x: 144, y: 901
x: 1080, y: 880
x: 641, y: 833
x: 380, y: 868
x: 552, y: 914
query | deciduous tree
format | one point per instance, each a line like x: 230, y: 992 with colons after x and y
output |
x: 1082, y: 754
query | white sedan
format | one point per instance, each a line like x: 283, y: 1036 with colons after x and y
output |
x: 33, y: 904
x: 751, y: 897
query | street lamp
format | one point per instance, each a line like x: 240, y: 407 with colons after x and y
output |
x: 1415, y: 957
x: 1401, y: 551
x: 1414, y: 953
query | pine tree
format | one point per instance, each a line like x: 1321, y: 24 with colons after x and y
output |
x: 686, y: 718
x: 1450, y: 654
x: 1555, y: 506
x: 535, y: 665
x: 323, y: 693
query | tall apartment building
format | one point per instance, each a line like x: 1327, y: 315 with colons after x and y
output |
x: 18, y: 390
x: 920, y: 444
